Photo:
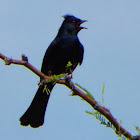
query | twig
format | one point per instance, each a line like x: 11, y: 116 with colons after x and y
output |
x: 104, y: 111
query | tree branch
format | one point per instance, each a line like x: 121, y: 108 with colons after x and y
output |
x: 76, y: 91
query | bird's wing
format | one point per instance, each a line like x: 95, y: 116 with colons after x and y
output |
x: 50, y: 56
x: 81, y: 54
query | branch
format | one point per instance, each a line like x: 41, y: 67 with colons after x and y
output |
x: 76, y: 91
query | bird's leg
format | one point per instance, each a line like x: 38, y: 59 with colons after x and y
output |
x: 68, y: 79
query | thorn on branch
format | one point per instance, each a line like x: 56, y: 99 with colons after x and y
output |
x: 8, y: 61
x: 24, y: 58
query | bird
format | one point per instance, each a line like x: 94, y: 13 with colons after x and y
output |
x: 65, y: 48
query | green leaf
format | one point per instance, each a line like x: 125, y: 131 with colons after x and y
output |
x: 103, y: 94
x: 68, y: 68
x: 137, y: 129
x: 102, y: 119
x: 46, y: 89
x: 55, y: 78
x: 69, y: 65
x: 87, y: 93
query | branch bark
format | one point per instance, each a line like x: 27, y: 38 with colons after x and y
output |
x: 104, y: 111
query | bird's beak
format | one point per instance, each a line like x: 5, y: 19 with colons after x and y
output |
x: 81, y: 22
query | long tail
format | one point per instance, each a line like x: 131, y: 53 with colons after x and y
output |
x: 34, y: 116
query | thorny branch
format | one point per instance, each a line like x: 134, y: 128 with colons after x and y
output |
x: 104, y: 111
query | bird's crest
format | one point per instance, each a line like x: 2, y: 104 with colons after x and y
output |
x: 67, y: 15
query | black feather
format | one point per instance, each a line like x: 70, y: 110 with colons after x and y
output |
x: 64, y: 48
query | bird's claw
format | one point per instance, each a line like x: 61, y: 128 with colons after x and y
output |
x: 68, y: 78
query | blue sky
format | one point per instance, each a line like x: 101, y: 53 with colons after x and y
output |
x: 112, y: 47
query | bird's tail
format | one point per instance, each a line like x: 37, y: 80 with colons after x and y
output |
x: 34, y: 116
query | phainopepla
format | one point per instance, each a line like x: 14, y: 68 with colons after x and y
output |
x: 65, y: 48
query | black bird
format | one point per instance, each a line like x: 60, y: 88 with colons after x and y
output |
x: 65, y: 48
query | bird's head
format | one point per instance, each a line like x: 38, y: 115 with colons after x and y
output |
x: 71, y: 25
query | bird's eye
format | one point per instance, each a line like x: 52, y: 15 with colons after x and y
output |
x: 73, y: 22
